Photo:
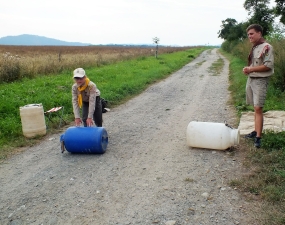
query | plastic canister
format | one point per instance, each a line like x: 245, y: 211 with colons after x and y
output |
x: 211, y: 135
x: 85, y: 140
x: 33, y: 120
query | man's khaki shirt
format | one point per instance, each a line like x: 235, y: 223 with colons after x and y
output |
x: 263, y: 55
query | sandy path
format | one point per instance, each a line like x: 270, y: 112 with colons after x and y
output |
x: 148, y: 175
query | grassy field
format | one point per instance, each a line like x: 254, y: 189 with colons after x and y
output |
x: 17, y: 62
x: 117, y: 82
x: 265, y: 179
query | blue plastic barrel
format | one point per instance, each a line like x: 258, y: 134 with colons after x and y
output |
x: 85, y: 140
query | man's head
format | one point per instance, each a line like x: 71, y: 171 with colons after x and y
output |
x: 79, y: 76
x: 254, y: 33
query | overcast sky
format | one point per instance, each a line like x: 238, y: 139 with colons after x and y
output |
x: 174, y: 22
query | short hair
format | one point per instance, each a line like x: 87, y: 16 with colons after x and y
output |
x: 256, y: 27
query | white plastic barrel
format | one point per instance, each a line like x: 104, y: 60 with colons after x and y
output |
x: 33, y: 120
x: 211, y: 135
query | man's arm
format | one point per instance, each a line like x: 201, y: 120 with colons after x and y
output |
x: 250, y: 69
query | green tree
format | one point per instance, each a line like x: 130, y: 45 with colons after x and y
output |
x: 260, y: 13
x: 278, y: 32
x: 250, y: 5
x: 226, y: 27
x: 231, y: 30
x: 237, y: 32
x: 280, y: 10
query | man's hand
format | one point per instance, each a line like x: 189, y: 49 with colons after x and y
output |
x: 78, y: 121
x: 246, y: 70
x: 89, y: 122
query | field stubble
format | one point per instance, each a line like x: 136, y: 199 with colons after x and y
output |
x: 17, y: 62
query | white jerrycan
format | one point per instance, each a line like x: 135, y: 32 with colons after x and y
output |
x: 33, y: 120
x: 211, y: 135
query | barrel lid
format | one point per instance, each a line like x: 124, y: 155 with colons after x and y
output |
x: 31, y: 106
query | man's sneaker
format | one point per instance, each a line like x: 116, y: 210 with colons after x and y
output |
x: 251, y: 135
x: 257, y: 142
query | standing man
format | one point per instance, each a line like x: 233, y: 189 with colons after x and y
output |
x: 259, y: 69
x: 85, y: 94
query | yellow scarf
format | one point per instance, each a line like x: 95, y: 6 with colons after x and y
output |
x: 82, y: 89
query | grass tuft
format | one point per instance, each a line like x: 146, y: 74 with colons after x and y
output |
x: 216, y: 68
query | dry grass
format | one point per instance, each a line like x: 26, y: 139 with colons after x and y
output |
x: 17, y: 62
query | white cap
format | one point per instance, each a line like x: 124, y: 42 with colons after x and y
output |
x: 79, y: 72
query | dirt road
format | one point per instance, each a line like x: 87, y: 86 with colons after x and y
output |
x: 148, y: 174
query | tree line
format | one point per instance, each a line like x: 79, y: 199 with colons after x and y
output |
x: 260, y: 12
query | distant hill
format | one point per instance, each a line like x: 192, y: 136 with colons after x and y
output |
x: 28, y: 39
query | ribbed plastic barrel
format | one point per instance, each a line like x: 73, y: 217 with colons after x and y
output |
x: 33, y: 120
x: 85, y: 140
x: 211, y: 135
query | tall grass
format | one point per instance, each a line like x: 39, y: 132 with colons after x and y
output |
x: 17, y: 62
x: 278, y: 79
x: 117, y: 82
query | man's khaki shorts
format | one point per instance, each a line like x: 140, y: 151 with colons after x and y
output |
x: 256, y: 89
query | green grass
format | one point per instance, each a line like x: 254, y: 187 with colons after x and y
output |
x: 216, y: 68
x: 266, y: 166
x: 117, y: 83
